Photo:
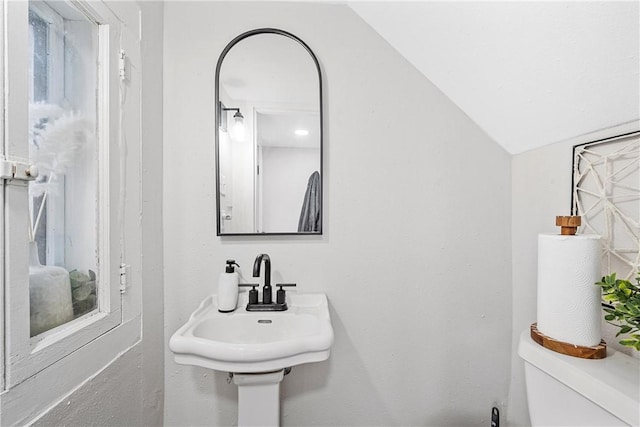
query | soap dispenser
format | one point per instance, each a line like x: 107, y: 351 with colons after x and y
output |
x: 228, y: 288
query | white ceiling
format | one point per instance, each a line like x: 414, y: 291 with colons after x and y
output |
x: 528, y: 73
x: 277, y: 129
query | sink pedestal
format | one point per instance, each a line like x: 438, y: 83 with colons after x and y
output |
x: 259, y: 398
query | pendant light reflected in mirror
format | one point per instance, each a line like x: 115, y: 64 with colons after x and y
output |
x: 237, y: 130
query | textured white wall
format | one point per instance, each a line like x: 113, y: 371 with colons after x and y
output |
x: 112, y: 397
x: 152, y: 251
x: 415, y: 258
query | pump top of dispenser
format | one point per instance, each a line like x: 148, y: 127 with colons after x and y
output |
x: 230, y: 264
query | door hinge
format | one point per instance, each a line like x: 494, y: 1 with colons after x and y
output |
x: 124, y: 272
x: 122, y: 64
x: 18, y: 169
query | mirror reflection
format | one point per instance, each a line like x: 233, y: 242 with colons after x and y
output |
x: 269, y: 139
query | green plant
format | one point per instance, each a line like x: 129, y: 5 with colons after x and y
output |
x: 624, y: 310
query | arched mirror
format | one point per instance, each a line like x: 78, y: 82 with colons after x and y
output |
x: 269, y: 136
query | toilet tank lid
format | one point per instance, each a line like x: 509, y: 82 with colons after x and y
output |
x: 613, y: 382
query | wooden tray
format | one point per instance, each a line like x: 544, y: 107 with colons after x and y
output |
x: 597, y: 352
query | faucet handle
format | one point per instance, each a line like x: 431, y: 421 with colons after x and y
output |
x: 285, y: 284
x: 253, y: 293
x: 280, y: 295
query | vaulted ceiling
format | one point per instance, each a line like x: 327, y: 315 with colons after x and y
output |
x: 528, y: 73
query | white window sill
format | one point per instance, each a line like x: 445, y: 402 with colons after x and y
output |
x: 49, y: 338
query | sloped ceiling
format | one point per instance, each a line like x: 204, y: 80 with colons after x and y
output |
x: 528, y: 73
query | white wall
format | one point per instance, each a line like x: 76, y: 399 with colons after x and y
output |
x: 415, y: 258
x: 110, y: 398
x: 152, y: 387
x: 541, y: 190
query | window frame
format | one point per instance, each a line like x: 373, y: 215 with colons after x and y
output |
x: 26, y: 356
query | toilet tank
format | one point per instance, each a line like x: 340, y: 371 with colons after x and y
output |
x: 569, y: 391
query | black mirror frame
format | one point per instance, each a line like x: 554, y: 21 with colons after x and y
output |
x: 226, y: 50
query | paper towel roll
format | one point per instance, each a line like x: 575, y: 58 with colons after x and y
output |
x: 569, y: 308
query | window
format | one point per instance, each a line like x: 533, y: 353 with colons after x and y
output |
x: 68, y: 94
x: 63, y: 224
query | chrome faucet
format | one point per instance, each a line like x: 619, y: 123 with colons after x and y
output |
x: 266, y: 290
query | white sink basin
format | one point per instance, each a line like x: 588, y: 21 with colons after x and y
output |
x: 254, y: 342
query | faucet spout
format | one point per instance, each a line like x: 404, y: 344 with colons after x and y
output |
x: 267, y: 268
x: 266, y: 290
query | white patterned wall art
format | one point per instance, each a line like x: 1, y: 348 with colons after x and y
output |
x: 606, y: 193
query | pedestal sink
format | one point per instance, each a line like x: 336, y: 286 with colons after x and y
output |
x: 256, y: 347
